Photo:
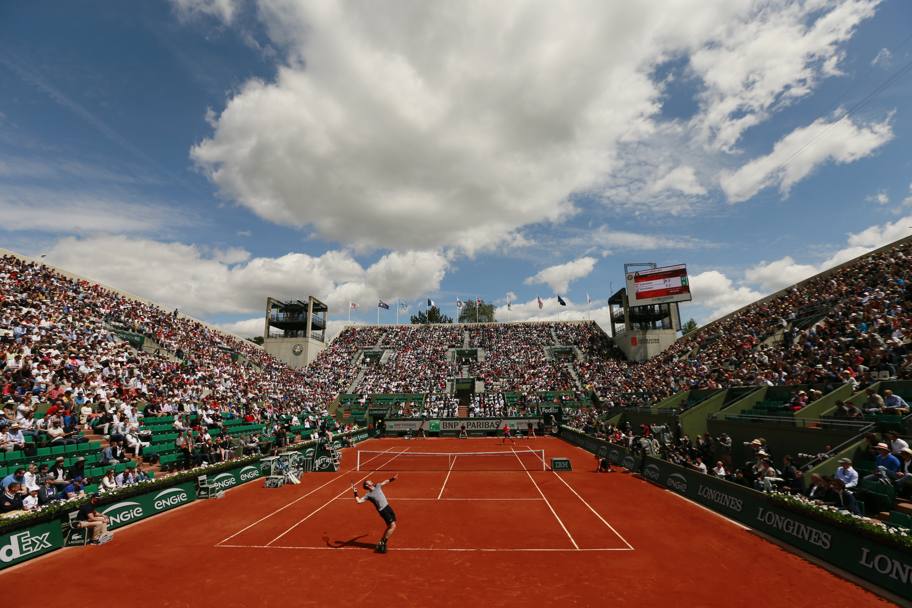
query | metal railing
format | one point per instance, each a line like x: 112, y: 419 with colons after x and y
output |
x: 817, y: 423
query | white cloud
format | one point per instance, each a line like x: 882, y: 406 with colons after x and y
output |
x: 559, y: 277
x: 408, y: 275
x: 767, y: 57
x: 797, y: 154
x: 224, y: 10
x: 683, y: 179
x: 883, y: 58
x: 715, y: 291
x: 552, y: 311
x: 468, y: 125
x: 52, y: 211
x: 245, y: 328
x: 772, y: 276
x: 202, y: 282
x: 878, y: 236
x: 881, y: 198
x: 250, y: 328
x: 603, y: 236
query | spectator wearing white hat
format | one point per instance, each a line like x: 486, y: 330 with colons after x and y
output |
x: 885, y: 463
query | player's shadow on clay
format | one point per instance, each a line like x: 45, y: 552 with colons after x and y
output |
x: 352, y: 542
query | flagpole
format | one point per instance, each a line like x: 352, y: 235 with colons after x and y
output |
x: 378, y: 314
x: 398, y: 306
x: 349, y: 313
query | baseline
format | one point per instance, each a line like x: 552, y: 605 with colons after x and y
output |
x: 594, y: 512
x: 327, y: 503
x: 296, y: 500
x: 547, y: 502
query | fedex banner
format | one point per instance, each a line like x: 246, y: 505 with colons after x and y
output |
x: 25, y: 544
x: 658, y: 286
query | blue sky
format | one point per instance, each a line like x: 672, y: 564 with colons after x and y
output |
x: 209, y: 153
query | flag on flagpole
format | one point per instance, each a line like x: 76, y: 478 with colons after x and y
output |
x: 353, y: 306
x: 560, y: 301
x: 588, y: 298
x: 540, y: 303
x: 458, y: 303
x: 509, y: 304
x: 431, y: 303
x: 383, y: 305
x: 403, y: 305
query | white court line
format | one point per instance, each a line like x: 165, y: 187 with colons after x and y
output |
x: 553, y: 512
x: 265, y: 517
x: 454, y: 499
x: 596, y: 513
x: 457, y: 549
x: 447, y: 478
x: 328, y: 502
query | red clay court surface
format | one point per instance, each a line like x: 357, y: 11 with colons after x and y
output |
x: 465, y: 538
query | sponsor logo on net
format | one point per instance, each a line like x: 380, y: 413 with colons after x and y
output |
x: 124, y: 512
x: 222, y: 481
x: 323, y: 463
x: 248, y: 473
x: 721, y: 498
x: 651, y: 472
x: 794, y: 528
x: 24, y: 544
x: 886, y: 565
x: 677, y: 482
x: 172, y: 497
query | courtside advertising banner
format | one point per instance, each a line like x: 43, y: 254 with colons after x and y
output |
x: 454, y: 425
x: 136, y: 508
x: 23, y: 545
x: 886, y: 566
x: 878, y: 562
x: 234, y: 477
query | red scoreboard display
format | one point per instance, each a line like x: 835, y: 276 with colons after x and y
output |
x: 658, y: 286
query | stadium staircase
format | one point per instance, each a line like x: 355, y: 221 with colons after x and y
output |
x: 354, y: 385
x: 573, y: 374
x: 466, y: 342
x: 554, y: 339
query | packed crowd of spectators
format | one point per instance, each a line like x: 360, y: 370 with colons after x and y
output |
x: 58, y: 349
x: 857, y: 331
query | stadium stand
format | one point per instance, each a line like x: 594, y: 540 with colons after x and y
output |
x: 815, y: 366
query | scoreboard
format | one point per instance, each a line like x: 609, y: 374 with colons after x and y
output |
x: 658, y: 286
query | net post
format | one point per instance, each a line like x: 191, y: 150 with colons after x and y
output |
x: 544, y: 465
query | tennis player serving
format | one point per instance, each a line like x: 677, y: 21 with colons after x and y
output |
x: 378, y: 499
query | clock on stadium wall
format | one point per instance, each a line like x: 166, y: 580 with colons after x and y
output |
x: 297, y: 349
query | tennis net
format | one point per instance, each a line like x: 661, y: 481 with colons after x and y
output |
x: 512, y: 460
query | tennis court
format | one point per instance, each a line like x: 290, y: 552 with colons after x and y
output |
x: 493, y: 529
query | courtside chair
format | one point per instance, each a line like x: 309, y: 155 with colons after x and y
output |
x: 72, y: 526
